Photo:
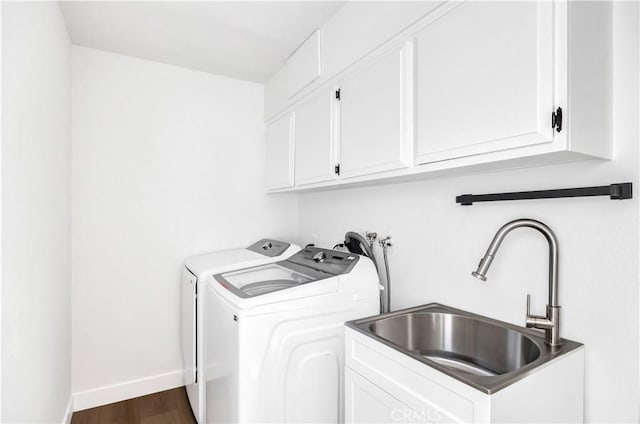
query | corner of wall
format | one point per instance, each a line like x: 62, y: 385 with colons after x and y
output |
x: 68, y: 413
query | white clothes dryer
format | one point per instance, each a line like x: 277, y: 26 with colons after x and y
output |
x: 275, y: 336
x: 194, y: 274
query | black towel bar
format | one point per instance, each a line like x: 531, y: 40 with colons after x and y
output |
x: 615, y: 191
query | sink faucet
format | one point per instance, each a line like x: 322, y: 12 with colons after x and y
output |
x: 551, y: 322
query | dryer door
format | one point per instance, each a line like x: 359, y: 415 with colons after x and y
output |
x: 188, y: 328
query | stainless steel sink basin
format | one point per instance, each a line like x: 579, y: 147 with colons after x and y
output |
x: 482, y: 352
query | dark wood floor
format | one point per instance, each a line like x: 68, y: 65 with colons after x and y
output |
x: 169, y: 407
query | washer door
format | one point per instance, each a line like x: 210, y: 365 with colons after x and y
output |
x: 264, y: 287
x: 262, y: 279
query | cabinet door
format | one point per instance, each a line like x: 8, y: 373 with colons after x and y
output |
x: 314, y: 140
x: 280, y: 153
x: 484, y: 79
x: 367, y: 403
x: 303, y: 67
x: 375, y: 112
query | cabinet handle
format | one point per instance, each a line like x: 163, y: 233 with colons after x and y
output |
x: 556, y: 119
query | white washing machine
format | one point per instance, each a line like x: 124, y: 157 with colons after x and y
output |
x: 194, y: 274
x: 275, y: 336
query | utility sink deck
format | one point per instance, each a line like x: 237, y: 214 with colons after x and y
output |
x: 485, y: 353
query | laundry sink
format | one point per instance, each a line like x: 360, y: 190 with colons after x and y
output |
x: 485, y: 353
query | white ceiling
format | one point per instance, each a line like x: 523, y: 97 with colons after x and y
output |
x: 245, y: 40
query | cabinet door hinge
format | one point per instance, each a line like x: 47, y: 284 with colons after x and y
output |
x: 337, y: 169
x: 338, y: 94
x: 556, y: 119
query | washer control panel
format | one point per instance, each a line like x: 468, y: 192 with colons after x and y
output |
x: 325, y: 260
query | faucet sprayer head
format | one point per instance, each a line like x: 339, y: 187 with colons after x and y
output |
x: 483, y: 267
x: 479, y: 276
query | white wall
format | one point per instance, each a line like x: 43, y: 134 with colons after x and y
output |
x: 437, y: 243
x: 36, y: 163
x: 167, y: 163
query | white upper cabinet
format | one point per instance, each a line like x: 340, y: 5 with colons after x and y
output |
x: 315, y: 140
x: 485, y: 79
x: 280, y: 153
x: 470, y: 86
x: 375, y: 115
x: 304, y: 66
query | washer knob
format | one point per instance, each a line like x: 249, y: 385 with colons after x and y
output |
x: 319, y: 257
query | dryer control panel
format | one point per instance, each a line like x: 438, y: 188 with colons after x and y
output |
x: 269, y: 247
x: 329, y: 261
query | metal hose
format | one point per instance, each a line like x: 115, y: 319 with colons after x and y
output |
x: 386, y: 270
x: 359, y: 245
x: 364, y: 247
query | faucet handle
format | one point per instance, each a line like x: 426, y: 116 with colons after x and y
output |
x: 528, y: 318
x: 535, y: 321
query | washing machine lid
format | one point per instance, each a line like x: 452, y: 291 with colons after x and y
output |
x: 309, y: 265
x: 260, y: 252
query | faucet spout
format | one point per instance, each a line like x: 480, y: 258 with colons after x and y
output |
x: 550, y: 323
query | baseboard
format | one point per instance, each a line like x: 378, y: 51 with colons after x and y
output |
x: 68, y: 412
x: 127, y: 390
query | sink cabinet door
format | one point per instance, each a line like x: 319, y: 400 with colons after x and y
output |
x: 368, y: 403
x: 485, y: 79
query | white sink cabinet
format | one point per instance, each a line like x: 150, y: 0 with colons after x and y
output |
x: 385, y: 385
